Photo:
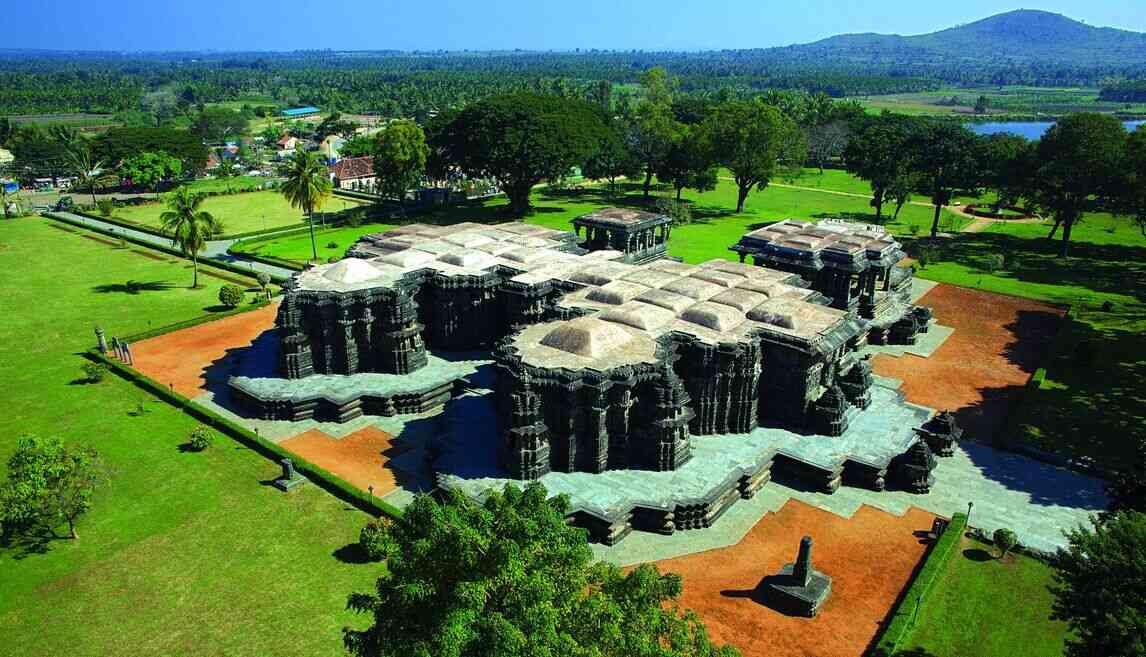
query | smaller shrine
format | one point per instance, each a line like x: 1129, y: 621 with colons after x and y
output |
x: 641, y: 236
x: 799, y: 589
x: 941, y: 433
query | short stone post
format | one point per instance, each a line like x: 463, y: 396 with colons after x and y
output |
x: 101, y: 341
x: 802, y: 571
x: 115, y: 348
x: 127, y: 353
x: 289, y: 478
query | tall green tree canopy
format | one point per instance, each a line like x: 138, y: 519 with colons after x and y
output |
x: 1080, y: 159
x: 307, y: 187
x: 118, y: 144
x: 690, y: 162
x: 943, y: 157
x: 217, y: 124
x: 751, y: 139
x: 612, y: 158
x: 1133, y: 192
x: 1006, y: 162
x: 400, y: 159
x: 652, y: 127
x: 1100, y: 587
x: 188, y: 226
x: 508, y: 577
x: 149, y: 168
x: 48, y: 484
x: 521, y: 140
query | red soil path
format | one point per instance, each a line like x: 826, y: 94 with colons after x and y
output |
x: 869, y: 556
x: 361, y: 458
x: 181, y: 358
x: 980, y: 371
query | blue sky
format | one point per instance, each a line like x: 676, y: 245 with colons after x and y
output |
x: 497, y: 24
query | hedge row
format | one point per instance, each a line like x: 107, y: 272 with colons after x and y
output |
x: 319, y: 476
x: 902, y: 616
x: 151, y: 230
x: 281, y: 230
x: 268, y: 260
x: 261, y: 302
x: 218, y: 264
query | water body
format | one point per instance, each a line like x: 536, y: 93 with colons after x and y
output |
x: 1029, y: 129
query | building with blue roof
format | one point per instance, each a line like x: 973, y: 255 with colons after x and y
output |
x: 299, y: 112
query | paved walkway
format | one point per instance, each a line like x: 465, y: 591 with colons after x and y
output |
x: 216, y: 250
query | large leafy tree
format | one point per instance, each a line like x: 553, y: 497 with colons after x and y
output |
x: 149, y: 168
x: 1100, y: 587
x: 690, y: 162
x: 400, y: 159
x: 307, y: 187
x: 188, y: 226
x: 1080, y: 160
x: 508, y: 577
x: 612, y: 159
x: 877, y: 151
x: 48, y: 484
x: 752, y: 139
x: 1006, y: 162
x: 118, y: 144
x: 943, y: 158
x: 520, y: 140
x: 652, y: 127
x: 1132, y: 196
x: 216, y: 124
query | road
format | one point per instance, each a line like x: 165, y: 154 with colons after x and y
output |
x: 215, y: 250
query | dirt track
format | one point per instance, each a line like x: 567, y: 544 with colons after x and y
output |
x: 183, y: 357
x: 361, y: 458
x: 870, y: 558
x: 999, y: 341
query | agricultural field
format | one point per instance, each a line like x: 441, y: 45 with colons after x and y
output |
x: 986, y: 607
x: 1003, y: 102
x: 193, y: 548
x: 240, y: 213
x: 715, y: 225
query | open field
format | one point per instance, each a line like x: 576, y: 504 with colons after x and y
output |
x: 182, y: 553
x: 240, y: 213
x: 1092, y: 402
x: 869, y: 556
x: 1003, y: 102
x: 716, y: 226
x: 983, y: 607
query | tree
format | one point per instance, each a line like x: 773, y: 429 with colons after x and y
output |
x: 335, y: 125
x: 86, y: 168
x: 1132, y: 196
x: 825, y: 141
x: 358, y: 146
x: 48, y: 484
x: 508, y: 576
x: 520, y: 140
x: 230, y: 295
x: 611, y: 159
x: 148, y: 169
x: 1127, y: 491
x: 1005, y: 166
x: 400, y: 159
x: 943, y: 157
x: 982, y: 104
x: 1100, y: 584
x: 307, y: 187
x: 877, y: 151
x: 1005, y: 540
x: 188, y: 226
x: 118, y: 144
x: 216, y: 124
x: 1080, y: 160
x: 689, y: 163
x: 750, y: 138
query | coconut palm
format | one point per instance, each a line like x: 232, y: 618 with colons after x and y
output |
x: 307, y: 187
x: 188, y: 226
x: 84, y: 165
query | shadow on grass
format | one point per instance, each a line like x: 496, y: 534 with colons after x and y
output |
x: 133, y: 287
x: 28, y: 544
x: 978, y: 554
x: 352, y: 553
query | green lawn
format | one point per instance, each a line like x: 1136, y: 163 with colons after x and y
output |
x: 182, y: 554
x: 983, y: 607
x: 716, y: 226
x: 240, y: 213
x: 1092, y: 402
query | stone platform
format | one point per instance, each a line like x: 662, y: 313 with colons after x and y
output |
x: 723, y: 468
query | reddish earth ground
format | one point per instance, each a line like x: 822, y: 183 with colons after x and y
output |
x: 870, y: 558
x: 182, y: 358
x: 361, y: 458
x: 980, y: 371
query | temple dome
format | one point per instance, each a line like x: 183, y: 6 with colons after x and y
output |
x: 588, y: 337
x: 351, y: 270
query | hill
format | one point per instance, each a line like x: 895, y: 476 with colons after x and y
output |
x: 1021, y: 36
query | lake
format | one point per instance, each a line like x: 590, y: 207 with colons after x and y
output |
x: 1029, y: 129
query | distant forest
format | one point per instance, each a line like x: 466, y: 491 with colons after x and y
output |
x: 405, y: 84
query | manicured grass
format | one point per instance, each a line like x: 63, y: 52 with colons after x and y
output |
x: 715, y: 229
x: 240, y: 213
x: 182, y: 553
x: 1092, y: 401
x: 985, y: 607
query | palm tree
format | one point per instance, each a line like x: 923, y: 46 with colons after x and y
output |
x: 87, y: 169
x: 189, y: 226
x: 307, y: 187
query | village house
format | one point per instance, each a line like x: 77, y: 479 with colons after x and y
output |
x: 356, y: 173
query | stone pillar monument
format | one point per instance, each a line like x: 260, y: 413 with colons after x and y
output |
x: 799, y: 589
x: 101, y: 341
x: 802, y: 571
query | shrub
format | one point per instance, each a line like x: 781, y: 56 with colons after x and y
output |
x: 1005, y: 540
x: 928, y: 255
x: 354, y: 219
x: 231, y: 295
x: 994, y: 262
x: 376, y: 541
x: 333, y: 259
x: 332, y: 245
x: 106, y: 206
x: 677, y: 211
x: 201, y: 438
x: 913, y: 229
x: 94, y: 372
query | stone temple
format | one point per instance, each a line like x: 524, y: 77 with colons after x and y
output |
x: 609, y: 356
